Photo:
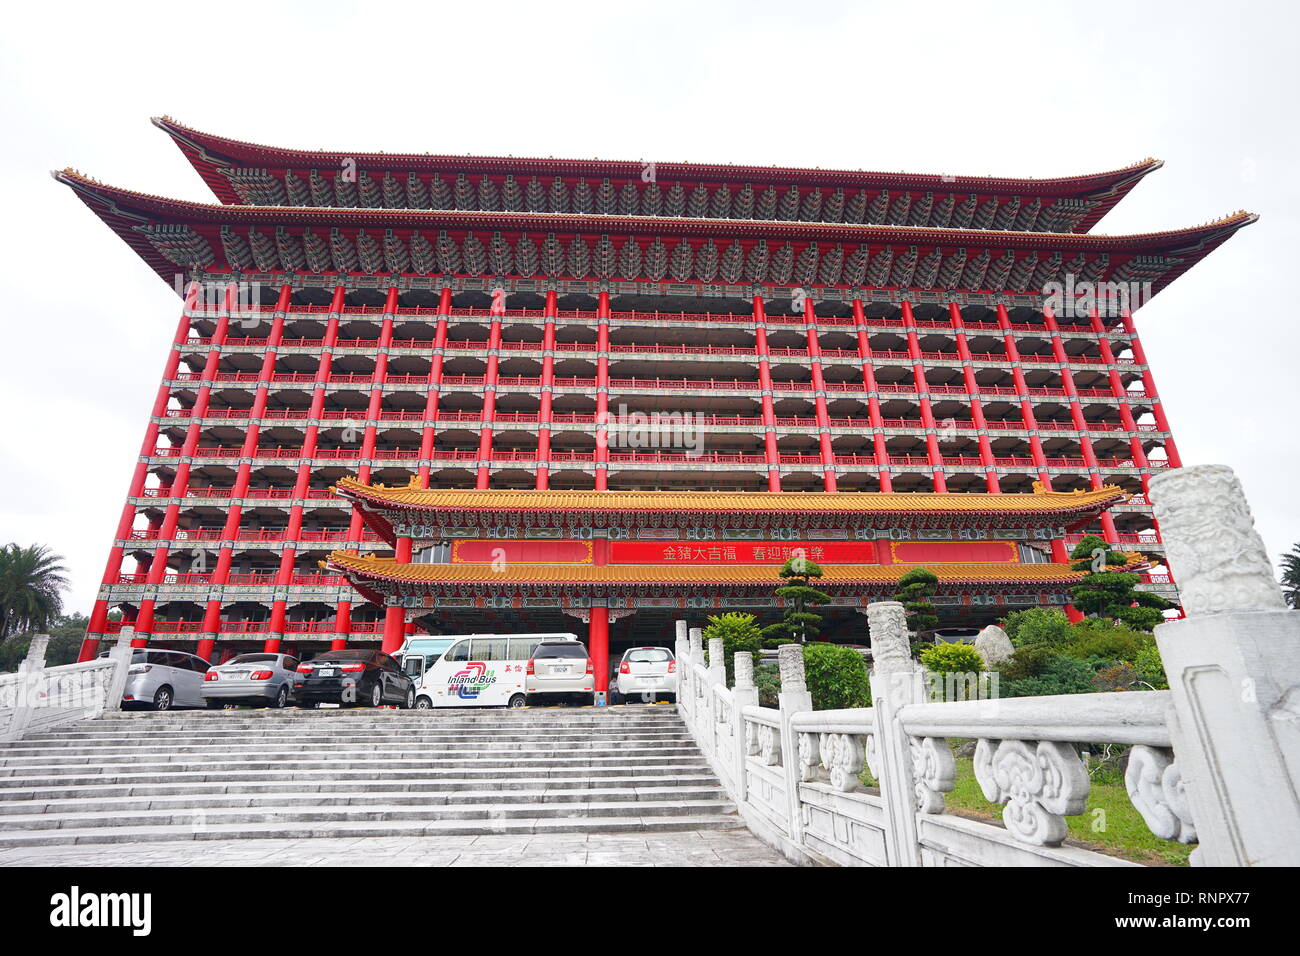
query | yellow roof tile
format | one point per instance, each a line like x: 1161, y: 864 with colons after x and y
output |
x: 843, y: 502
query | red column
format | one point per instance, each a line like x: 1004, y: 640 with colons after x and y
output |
x: 395, y: 617
x: 976, y: 402
x: 113, y: 568
x: 435, y: 386
x: 1149, y: 383
x: 923, y: 393
x: 771, y: 454
x: 1022, y: 391
x: 602, y: 394
x: 548, y: 384
x: 819, y: 391
x: 489, y: 399
x: 598, y: 646
x: 873, y: 398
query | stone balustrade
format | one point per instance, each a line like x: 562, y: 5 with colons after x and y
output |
x: 39, y: 698
x: 1215, y: 760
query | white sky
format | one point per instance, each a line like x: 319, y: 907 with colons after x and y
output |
x: 1032, y: 89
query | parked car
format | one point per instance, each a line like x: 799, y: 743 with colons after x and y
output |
x: 353, y: 676
x: 161, y: 680
x: 265, y: 679
x: 645, y: 673
x: 560, y: 666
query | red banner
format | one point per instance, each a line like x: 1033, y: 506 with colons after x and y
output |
x: 740, y: 552
x: 476, y: 551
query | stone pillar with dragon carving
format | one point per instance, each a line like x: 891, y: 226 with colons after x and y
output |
x: 744, y: 694
x: 1234, y: 674
x: 793, y: 698
x: 896, y: 681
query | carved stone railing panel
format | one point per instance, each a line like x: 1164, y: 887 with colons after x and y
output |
x: 1041, y: 782
x: 1155, y: 786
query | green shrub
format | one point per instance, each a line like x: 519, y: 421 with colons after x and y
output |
x: 1104, y: 639
x: 836, y: 676
x: 1150, y: 668
x: 1056, y: 675
x: 914, y: 590
x: 1037, y: 625
x: 738, y: 632
x: 952, y: 658
x: 767, y: 678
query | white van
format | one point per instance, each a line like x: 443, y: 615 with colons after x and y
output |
x: 470, y: 670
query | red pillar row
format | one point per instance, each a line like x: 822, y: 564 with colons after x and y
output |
x: 113, y: 568
x: 879, y: 447
x: 1022, y: 390
x: 991, y: 482
x: 932, y: 451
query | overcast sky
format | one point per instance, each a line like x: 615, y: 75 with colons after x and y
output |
x: 1033, y: 89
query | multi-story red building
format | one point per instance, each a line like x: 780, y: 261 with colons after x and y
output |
x: 670, y: 354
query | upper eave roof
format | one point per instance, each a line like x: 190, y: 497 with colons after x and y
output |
x: 209, y: 153
x: 123, y: 209
x: 1064, y: 503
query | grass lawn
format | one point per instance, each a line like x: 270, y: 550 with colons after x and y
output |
x: 1120, y: 831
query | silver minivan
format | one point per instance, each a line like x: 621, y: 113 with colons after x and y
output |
x: 161, y: 680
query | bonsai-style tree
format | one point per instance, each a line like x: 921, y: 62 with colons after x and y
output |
x: 800, y: 621
x: 1112, y: 594
x: 914, y: 590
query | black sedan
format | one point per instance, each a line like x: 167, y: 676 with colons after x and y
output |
x: 351, y: 677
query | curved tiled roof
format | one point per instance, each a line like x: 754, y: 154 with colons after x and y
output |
x: 713, y: 502
x: 699, y: 575
x: 209, y: 154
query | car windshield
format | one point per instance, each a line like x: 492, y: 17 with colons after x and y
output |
x: 252, y: 659
x: 648, y: 655
x: 560, y: 650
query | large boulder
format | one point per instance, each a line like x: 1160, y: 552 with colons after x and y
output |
x: 994, y: 646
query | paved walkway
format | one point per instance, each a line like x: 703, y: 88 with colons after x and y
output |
x: 737, y: 847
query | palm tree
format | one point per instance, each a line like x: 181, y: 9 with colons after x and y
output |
x: 1291, y: 576
x: 32, y: 580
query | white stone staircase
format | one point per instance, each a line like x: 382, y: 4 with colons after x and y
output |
x: 130, y: 777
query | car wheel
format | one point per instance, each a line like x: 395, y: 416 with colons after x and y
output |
x: 423, y: 703
x: 518, y: 700
x: 162, y: 698
x: 376, y: 695
x: 409, y: 703
x: 282, y: 698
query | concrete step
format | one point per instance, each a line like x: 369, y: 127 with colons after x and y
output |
x: 204, y: 816
x: 274, y: 749
x: 356, y: 798
x: 399, y: 789
x: 638, y: 823
x: 352, y: 773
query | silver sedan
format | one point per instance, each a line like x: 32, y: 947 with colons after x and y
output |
x: 263, y: 678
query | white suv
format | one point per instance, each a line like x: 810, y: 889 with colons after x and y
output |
x: 560, y: 667
x: 646, y: 672
x: 161, y: 680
